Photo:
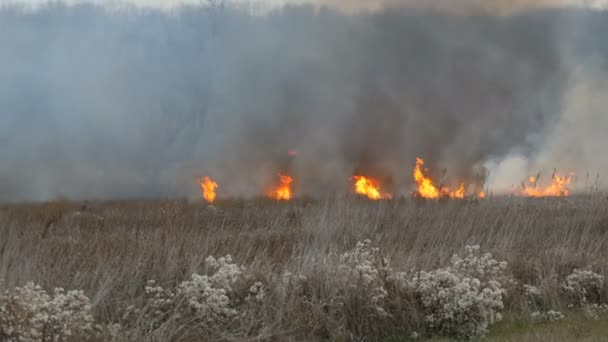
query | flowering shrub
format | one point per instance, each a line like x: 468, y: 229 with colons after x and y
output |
x: 257, y: 292
x: 209, y: 302
x: 363, y: 273
x: 462, y: 300
x: 226, y: 274
x: 531, y: 291
x: 30, y: 314
x: 479, y: 266
x: 207, y: 295
x: 583, y: 287
x: 595, y: 310
x: 549, y: 316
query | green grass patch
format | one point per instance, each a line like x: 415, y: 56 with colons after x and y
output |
x: 575, y: 327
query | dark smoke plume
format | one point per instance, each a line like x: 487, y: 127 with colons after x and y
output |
x: 136, y: 103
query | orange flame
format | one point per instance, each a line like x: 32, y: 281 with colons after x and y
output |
x: 458, y: 193
x: 557, y: 188
x: 369, y: 187
x: 482, y: 195
x: 282, y: 192
x: 208, y: 187
x: 428, y: 189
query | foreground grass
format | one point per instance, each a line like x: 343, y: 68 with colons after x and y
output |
x: 111, y: 249
x: 575, y: 327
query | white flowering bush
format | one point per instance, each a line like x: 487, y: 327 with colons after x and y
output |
x: 31, y: 314
x: 583, y: 287
x: 595, y: 310
x: 547, y: 317
x: 226, y: 274
x: 479, y: 266
x: 461, y: 300
x: 257, y: 292
x: 584, y: 290
x: 209, y: 302
x: 531, y: 291
x: 458, y: 306
x: 363, y: 274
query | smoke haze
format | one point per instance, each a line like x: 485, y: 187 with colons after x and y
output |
x: 137, y: 103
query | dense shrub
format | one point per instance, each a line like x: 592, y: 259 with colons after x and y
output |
x: 463, y: 299
x: 210, y: 302
x: 31, y: 314
x: 584, y: 289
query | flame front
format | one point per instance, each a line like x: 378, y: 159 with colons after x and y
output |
x: 369, y: 187
x: 283, y: 191
x: 208, y: 187
x: 557, y: 188
x: 428, y: 189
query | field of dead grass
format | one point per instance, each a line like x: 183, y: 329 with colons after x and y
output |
x: 111, y: 249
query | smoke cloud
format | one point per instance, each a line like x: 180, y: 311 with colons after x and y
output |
x: 98, y: 103
x: 574, y: 141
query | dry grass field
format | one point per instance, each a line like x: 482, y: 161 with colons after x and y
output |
x: 335, y: 290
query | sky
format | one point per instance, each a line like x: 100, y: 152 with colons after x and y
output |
x: 345, y: 4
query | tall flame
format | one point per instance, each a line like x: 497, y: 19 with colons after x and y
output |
x: 283, y: 191
x: 208, y: 187
x: 428, y: 189
x: 557, y: 188
x: 369, y: 187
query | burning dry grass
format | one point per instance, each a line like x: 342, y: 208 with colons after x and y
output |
x: 208, y: 187
x: 110, y: 250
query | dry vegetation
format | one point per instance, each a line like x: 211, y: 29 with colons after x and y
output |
x: 307, y: 272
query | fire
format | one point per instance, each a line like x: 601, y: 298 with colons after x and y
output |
x: 482, y: 195
x: 282, y: 192
x: 208, y: 187
x: 369, y: 187
x: 557, y: 188
x: 428, y: 189
x: 458, y: 193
